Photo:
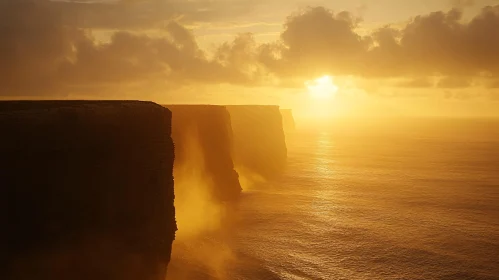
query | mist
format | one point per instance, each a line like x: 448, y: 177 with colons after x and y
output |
x: 201, y: 216
x: 382, y: 166
x: 197, y: 211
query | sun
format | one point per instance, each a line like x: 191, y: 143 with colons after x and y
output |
x: 322, y: 88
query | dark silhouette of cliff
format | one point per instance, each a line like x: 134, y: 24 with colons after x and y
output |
x: 87, y: 188
x: 288, y: 121
x: 209, y: 127
x: 259, y: 141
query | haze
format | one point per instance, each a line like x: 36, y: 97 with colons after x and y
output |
x: 387, y: 58
x: 273, y: 139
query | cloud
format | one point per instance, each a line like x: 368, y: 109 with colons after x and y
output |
x: 437, y: 44
x: 41, y: 55
x: 441, y: 43
x: 45, y: 49
x: 175, y: 58
x: 241, y: 56
x: 314, y: 41
x: 33, y: 46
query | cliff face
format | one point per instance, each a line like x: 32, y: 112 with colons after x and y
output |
x: 87, y: 188
x: 259, y: 141
x: 206, y: 130
x: 288, y: 120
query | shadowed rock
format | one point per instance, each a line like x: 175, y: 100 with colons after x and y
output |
x: 259, y: 141
x: 209, y: 127
x: 87, y: 188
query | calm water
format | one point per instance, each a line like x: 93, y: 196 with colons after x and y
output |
x: 414, y: 200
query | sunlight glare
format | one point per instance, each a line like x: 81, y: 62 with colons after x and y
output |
x: 322, y: 88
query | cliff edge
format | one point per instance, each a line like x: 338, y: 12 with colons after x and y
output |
x: 87, y: 188
x: 203, y: 140
x: 259, y: 141
x: 288, y: 121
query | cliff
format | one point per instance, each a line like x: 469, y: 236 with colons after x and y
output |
x: 288, y: 120
x: 87, y: 188
x: 203, y: 133
x: 259, y: 141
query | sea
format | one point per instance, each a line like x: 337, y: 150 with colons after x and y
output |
x: 407, y: 199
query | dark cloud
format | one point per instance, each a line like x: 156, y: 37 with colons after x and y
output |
x: 316, y: 41
x: 384, y: 58
x: 131, y: 58
x: 33, y: 46
x: 436, y: 44
x: 43, y: 48
x: 240, y: 56
x: 40, y: 55
x: 441, y: 43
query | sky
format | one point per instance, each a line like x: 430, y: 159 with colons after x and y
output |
x: 386, y: 57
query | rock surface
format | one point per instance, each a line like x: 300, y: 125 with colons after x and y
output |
x: 288, y: 121
x: 87, y: 188
x: 209, y: 128
x: 259, y: 141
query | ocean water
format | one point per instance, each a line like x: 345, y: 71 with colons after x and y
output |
x: 409, y: 200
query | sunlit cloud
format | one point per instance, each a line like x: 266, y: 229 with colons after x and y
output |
x: 439, y: 50
x: 322, y: 88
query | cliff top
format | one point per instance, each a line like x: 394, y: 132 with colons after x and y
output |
x: 9, y: 106
x: 254, y: 106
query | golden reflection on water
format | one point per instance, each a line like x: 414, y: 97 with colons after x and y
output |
x: 323, y: 163
x: 325, y: 174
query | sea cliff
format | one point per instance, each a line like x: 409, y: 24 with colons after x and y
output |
x: 288, y: 121
x: 259, y: 141
x: 203, y: 141
x: 87, y: 188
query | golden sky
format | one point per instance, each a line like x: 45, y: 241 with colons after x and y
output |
x: 385, y: 57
